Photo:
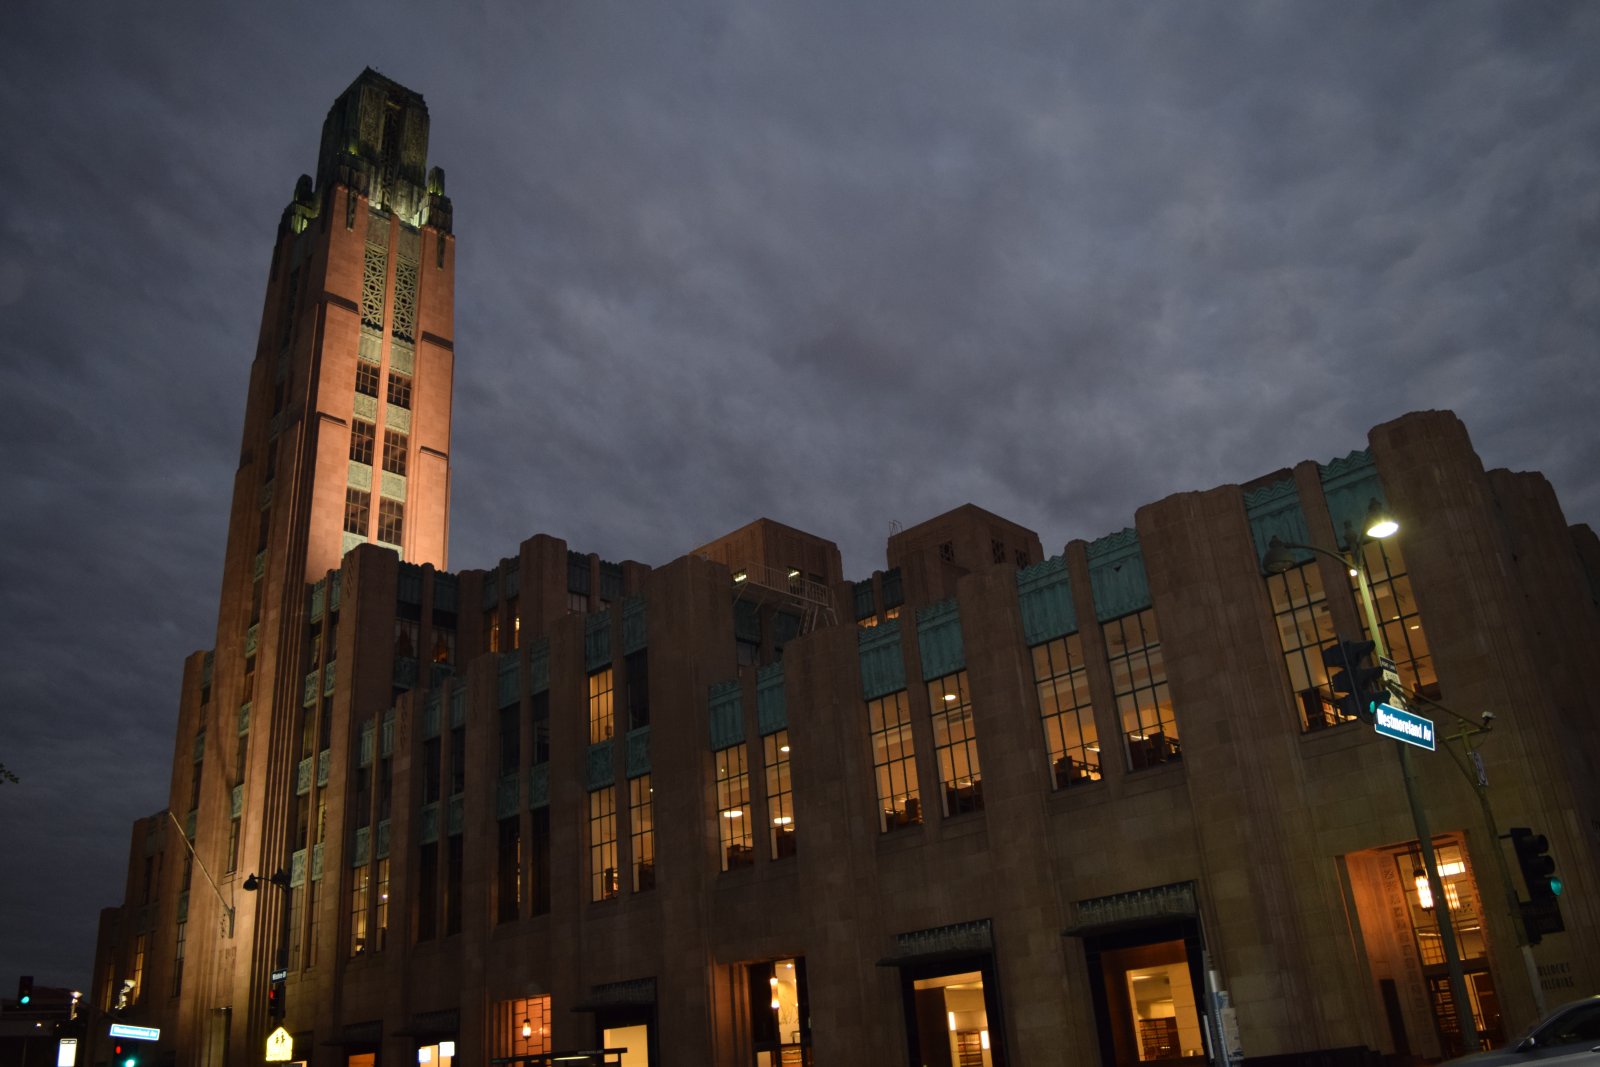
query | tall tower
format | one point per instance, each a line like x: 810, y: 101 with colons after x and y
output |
x: 346, y: 440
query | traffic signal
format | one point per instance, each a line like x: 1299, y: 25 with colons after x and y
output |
x: 25, y: 990
x: 1354, y: 678
x: 275, y: 1000
x: 1538, y: 869
x: 124, y: 1056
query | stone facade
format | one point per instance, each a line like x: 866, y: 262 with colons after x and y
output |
x: 424, y: 753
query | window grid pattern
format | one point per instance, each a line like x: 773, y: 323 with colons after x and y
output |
x: 780, y: 794
x: 512, y: 1017
x: 642, y: 832
x: 894, y: 762
x: 733, y: 807
x: 603, y: 844
x: 602, y: 712
x: 1139, y: 680
x: 367, y: 378
x: 1066, y: 710
x: 399, y: 390
x: 391, y: 521
x: 357, y: 511
x: 395, y: 446
x: 955, y: 744
x: 360, y: 887
x: 177, y: 958
x: 363, y: 435
x: 1305, y: 627
x: 380, y: 925
x: 1398, y: 616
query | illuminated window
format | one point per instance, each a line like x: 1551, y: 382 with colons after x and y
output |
x: 491, y: 622
x: 642, y: 825
x: 894, y: 762
x: 360, y: 886
x: 601, y: 713
x: 521, y: 1028
x: 733, y: 807
x: 780, y: 796
x: 1139, y: 680
x: 603, y: 882
x: 391, y: 517
x: 1305, y: 626
x: 516, y: 624
x: 1403, y: 635
x: 380, y: 926
x: 955, y: 744
x: 399, y: 390
x: 362, y: 437
x: 394, y: 452
x: 138, y: 970
x: 357, y: 511
x: 366, y: 379
x: 1066, y: 710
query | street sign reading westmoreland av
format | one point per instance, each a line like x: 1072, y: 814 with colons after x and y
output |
x: 1404, y: 726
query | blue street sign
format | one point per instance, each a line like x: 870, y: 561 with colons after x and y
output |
x: 136, y: 1033
x: 1405, y: 726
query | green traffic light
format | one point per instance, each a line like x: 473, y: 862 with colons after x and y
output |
x: 130, y: 1062
x: 24, y: 998
x: 1556, y: 886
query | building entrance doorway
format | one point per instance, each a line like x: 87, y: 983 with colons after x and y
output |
x: 953, y: 1013
x: 1405, y: 950
x: 1148, y: 990
x: 780, y: 1013
x: 635, y: 1039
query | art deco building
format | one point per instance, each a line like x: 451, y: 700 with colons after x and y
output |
x: 999, y: 803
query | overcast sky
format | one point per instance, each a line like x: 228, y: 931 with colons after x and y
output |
x: 837, y: 264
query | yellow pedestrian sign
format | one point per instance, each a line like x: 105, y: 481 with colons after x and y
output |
x: 280, y: 1046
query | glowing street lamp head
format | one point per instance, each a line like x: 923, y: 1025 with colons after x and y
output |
x: 1380, y: 522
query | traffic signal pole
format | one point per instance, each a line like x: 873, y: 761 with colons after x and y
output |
x: 1507, y: 885
x: 1466, y: 1023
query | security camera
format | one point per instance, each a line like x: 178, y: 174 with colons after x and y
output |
x: 1488, y: 719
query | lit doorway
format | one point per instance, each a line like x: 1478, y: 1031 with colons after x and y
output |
x: 1405, y: 950
x: 1148, y: 994
x: 780, y: 1013
x: 953, y: 1013
x: 634, y: 1040
x: 631, y: 1027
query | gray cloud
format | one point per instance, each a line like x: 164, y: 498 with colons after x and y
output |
x: 838, y: 264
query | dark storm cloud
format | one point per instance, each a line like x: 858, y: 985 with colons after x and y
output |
x: 837, y: 264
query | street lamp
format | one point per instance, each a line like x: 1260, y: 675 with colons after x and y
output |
x: 275, y: 989
x: 1380, y: 523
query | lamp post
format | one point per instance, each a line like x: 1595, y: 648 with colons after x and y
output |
x: 1278, y: 559
x: 279, y: 878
